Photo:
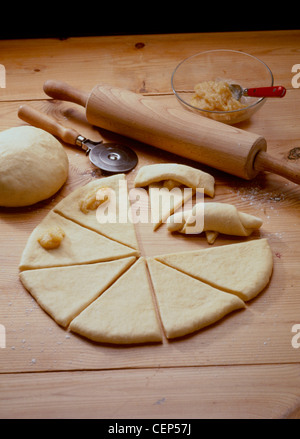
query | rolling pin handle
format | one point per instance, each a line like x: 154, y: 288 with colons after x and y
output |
x: 264, y: 162
x: 65, y: 92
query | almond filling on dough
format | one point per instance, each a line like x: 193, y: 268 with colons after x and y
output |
x: 93, y: 200
x: 51, y: 238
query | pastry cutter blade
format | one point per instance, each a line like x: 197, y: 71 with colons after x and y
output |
x: 109, y: 157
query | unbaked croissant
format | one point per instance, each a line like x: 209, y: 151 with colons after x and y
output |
x: 214, y: 218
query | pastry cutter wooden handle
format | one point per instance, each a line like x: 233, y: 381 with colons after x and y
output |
x: 110, y: 157
x: 176, y: 130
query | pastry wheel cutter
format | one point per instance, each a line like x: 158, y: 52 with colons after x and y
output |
x: 109, y: 157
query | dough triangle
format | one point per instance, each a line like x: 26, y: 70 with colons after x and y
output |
x: 125, y: 313
x: 186, y: 304
x: 63, y: 292
x: 243, y: 269
x: 79, y: 246
x: 119, y: 228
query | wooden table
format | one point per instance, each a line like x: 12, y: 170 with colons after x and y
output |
x: 243, y: 367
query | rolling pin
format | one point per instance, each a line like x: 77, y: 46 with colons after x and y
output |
x: 176, y: 130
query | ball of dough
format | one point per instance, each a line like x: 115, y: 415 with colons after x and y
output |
x: 33, y: 166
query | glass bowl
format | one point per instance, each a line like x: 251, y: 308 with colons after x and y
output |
x: 226, y: 65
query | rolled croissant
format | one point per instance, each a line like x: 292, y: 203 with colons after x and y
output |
x: 214, y: 218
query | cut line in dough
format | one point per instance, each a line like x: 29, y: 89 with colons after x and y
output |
x: 124, y: 313
x: 63, y: 292
x: 121, y: 229
x: 79, y: 246
x: 243, y: 269
x: 186, y: 304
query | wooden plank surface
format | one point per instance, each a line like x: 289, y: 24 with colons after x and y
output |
x: 251, y: 344
x: 141, y: 63
x: 175, y: 393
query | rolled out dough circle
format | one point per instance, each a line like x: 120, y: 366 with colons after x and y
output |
x: 33, y: 166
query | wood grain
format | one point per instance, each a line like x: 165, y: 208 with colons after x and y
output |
x: 157, y: 393
x: 122, y: 61
x: 247, y: 358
